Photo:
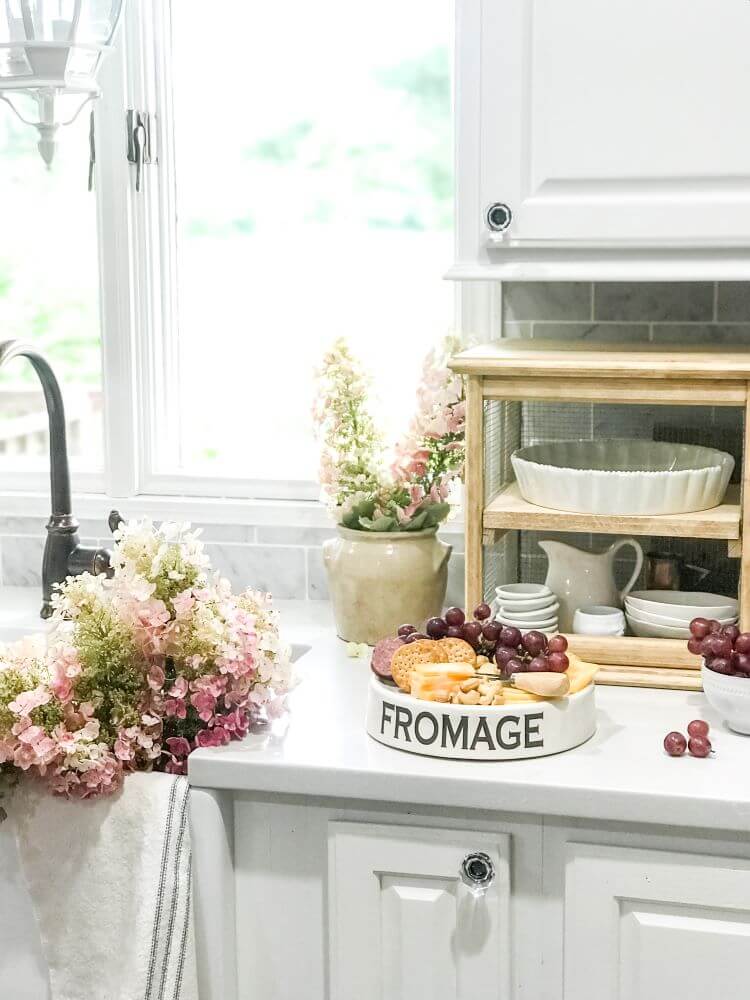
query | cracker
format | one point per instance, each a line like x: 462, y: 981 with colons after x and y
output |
x: 457, y: 651
x: 408, y: 656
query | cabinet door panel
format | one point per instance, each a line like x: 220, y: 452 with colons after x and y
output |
x: 624, y: 122
x: 403, y: 925
x: 644, y: 924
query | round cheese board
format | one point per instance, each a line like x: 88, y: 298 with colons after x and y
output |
x: 479, y: 732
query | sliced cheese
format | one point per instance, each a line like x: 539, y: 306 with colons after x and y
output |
x: 438, y: 681
x: 580, y: 673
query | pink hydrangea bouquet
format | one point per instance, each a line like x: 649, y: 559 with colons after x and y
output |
x: 139, y: 669
x: 368, y: 492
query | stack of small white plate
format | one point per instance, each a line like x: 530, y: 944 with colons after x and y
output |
x: 666, y: 614
x: 527, y: 606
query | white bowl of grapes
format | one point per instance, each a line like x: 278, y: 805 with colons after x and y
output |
x: 725, y: 670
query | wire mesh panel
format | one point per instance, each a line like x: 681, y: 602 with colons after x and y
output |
x: 502, y: 435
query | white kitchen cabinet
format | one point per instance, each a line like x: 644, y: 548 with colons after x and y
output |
x: 645, y: 924
x: 403, y: 924
x: 337, y: 902
x: 616, y: 133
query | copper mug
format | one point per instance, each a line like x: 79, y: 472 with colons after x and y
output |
x: 665, y: 571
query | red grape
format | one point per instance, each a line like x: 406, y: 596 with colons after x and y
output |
x: 675, y: 744
x: 454, y: 616
x: 413, y: 636
x: 455, y: 632
x: 699, y: 746
x: 719, y: 665
x: 472, y: 632
x: 404, y: 630
x: 742, y: 642
x: 717, y: 645
x: 510, y: 637
x: 699, y: 627
x: 540, y: 664
x: 741, y: 662
x: 503, y: 655
x: 558, y: 662
x: 714, y: 627
x: 534, y: 642
x: 482, y: 612
x: 731, y: 632
x: 436, y: 628
x: 698, y: 727
x: 695, y: 646
x: 491, y: 632
x: 514, y: 666
x: 557, y: 644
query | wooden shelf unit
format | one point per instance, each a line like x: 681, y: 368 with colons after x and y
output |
x: 535, y: 370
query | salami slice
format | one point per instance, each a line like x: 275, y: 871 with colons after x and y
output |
x: 382, y: 655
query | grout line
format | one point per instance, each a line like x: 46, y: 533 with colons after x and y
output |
x: 639, y: 322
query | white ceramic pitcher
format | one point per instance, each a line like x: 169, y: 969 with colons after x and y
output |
x: 579, y: 577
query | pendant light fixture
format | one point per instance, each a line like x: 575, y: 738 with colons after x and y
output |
x: 50, y: 53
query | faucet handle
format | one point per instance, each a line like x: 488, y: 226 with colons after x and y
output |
x: 114, y: 520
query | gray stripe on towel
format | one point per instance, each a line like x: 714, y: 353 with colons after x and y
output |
x: 160, y: 893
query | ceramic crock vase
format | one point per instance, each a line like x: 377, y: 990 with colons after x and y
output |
x: 379, y: 580
x: 578, y: 577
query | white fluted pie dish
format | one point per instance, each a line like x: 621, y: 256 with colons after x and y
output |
x: 622, y: 476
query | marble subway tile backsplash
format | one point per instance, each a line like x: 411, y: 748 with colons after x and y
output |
x: 669, y: 311
x: 285, y: 560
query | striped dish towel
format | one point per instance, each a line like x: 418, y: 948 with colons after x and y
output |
x: 110, y: 881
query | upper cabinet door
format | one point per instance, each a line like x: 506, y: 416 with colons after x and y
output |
x: 620, y: 126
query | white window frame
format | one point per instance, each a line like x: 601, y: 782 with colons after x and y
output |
x: 137, y: 244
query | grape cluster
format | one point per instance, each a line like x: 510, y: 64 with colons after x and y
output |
x: 697, y: 745
x: 724, y: 648
x: 519, y: 652
x: 513, y: 651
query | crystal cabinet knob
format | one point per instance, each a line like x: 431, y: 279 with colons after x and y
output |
x: 498, y: 217
x: 477, y: 872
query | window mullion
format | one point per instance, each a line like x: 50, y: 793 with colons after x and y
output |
x: 118, y: 266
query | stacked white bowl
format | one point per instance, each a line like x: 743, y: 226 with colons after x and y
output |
x: 527, y: 606
x: 666, y: 614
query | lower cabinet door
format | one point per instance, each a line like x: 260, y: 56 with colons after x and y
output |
x: 404, y: 925
x: 650, y: 924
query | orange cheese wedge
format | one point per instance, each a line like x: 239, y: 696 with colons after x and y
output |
x: 438, y: 681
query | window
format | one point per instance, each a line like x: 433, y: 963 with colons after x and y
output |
x: 301, y: 190
x: 313, y: 198
x: 49, y: 297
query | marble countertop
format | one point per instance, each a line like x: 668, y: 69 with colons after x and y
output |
x: 320, y: 749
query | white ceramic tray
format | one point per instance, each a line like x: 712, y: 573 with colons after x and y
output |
x: 478, y: 732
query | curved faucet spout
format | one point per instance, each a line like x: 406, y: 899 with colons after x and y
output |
x: 63, y: 554
x: 58, y: 447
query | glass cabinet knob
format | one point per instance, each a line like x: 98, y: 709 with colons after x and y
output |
x: 477, y: 872
x: 498, y: 217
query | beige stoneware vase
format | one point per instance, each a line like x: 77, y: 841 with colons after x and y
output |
x: 378, y: 580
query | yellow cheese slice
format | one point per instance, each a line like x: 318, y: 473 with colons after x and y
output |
x: 435, y: 681
x: 580, y: 673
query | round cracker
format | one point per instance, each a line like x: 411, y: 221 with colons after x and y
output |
x: 457, y: 651
x: 408, y: 656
